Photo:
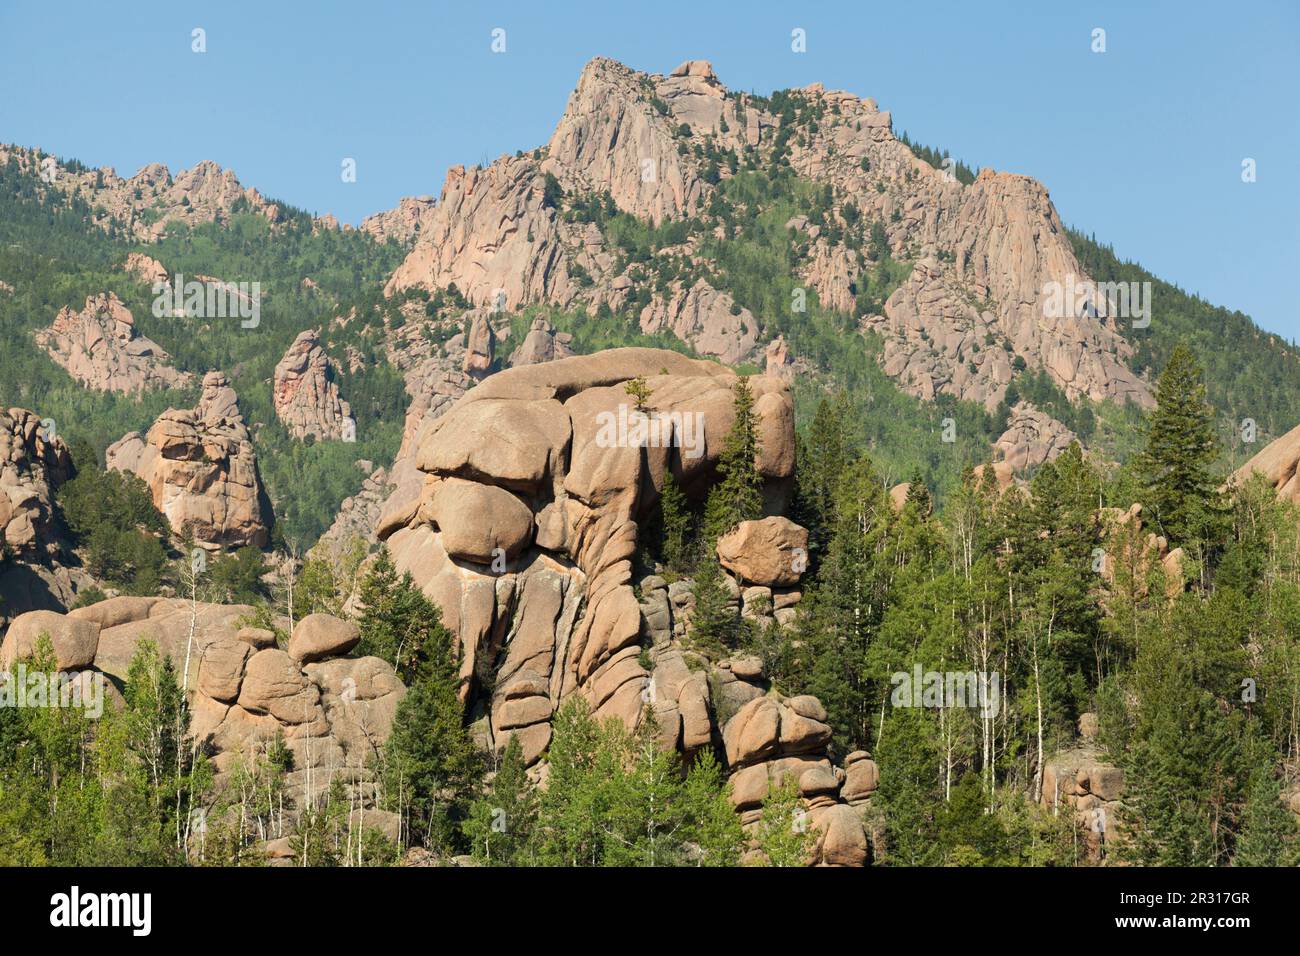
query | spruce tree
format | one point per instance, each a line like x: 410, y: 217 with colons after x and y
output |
x: 500, y: 824
x: 1269, y: 833
x: 399, y: 624
x: 676, y: 523
x: 738, y: 497
x: 1175, y: 468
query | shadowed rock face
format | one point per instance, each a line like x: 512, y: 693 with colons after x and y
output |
x: 201, y: 470
x: 305, y: 394
x: 32, y: 466
x: 101, y: 349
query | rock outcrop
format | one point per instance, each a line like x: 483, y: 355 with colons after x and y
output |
x: 305, y: 394
x: 1279, y: 462
x: 100, y: 348
x: 33, y: 463
x: 1082, y: 782
x: 144, y: 204
x: 201, y: 470
x: 990, y: 260
x: 334, y: 712
x: 402, y: 224
x: 541, y: 344
x: 1032, y: 437
x: 524, y: 533
x: 525, y: 525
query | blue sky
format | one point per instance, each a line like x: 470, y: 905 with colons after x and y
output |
x: 1142, y: 144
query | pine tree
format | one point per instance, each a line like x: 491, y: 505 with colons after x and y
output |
x: 1269, y: 833
x: 676, y: 522
x: 715, y: 621
x: 1176, y: 466
x: 918, y: 495
x: 399, y: 624
x: 431, y: 764
x: 639, y: 392
x: 712, y: 825
x: 785, y: 833
x: 500, y: 824
x: 570, y: 830
x: 738, y: 497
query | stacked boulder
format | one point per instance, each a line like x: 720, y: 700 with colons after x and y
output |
x: 525, y: 531
x: 201, y: 470
x: 773, y: 739
x: 33, y: 463
x: 542, y: 344
x: 334, y: 712
x: 525, y: 527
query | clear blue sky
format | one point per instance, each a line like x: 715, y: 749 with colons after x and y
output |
x: 1142, y: 144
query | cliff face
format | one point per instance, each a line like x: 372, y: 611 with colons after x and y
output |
x: 985, y: 257
x: 33, y: 463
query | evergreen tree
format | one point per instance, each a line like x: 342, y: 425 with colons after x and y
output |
x: 785, y: 832
x: 677, y: 521
x: 1269, y: 835
x: 715, y: 621
x: 501, y: 822
x: 712, y: 825
x: 639, y: 392
x: 399, y: 624
x: 738, y: 496
x: 431, y: 764
x: 1181, y: 448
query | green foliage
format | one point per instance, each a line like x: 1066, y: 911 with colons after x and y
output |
x: 785, y: 832
x: 617, y: 799
x: 402, y: 626
x: 111, y: 515
x: 940, y: 160
x: 1176, y: 466
x: 738, y: 496
x: 500, y: 825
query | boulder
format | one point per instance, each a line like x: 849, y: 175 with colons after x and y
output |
x: 318, y: 636
x: 771, y: 551
x: 75, y: 640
